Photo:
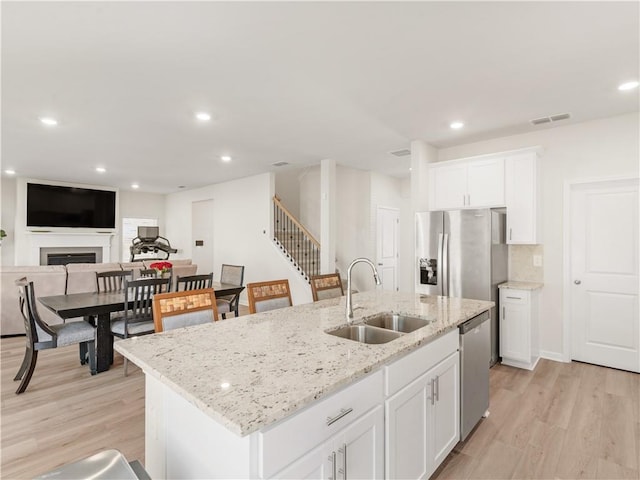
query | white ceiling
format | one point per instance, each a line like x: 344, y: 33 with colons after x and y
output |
x: 294, y: 82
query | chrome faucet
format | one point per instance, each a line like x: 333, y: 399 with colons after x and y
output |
x: 349, y: 310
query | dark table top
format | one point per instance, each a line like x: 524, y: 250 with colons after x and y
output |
x: 82, y: 304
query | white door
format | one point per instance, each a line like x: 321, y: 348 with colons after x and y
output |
x: 446, y: 408
x: 202, y: 235
x: 387, y: 246
x: 485, y: 183
x: 360, y: 447
x: 448, y: 187
x: 604, y: 274
x: 316, y: 464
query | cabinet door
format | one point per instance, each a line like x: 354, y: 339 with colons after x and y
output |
x: 360, y: 447
x: 406, y: 431
x: 316, y: 464
x: 446, y: 408
x: 448, y: 187
x: 521, y: 196
x: 514, y: 330
x: 485, y: 183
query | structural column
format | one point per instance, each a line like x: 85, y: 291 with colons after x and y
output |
x: 328, y: 216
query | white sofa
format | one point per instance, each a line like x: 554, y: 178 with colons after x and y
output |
x: 60, y: 279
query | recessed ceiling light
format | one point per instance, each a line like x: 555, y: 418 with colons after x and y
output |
x: 225, y: 158
x: 52, y: 122
x: 456, y: 125
x: 10, y: 171
x: 101, y: 169
x: 203, y: 116
x: 225, y: 385
x: 135, y: 185
x: 628, y: 86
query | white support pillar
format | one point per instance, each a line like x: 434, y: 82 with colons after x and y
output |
x: 422, y: 154
x: 328, y: 185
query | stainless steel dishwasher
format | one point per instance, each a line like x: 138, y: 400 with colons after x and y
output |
x: 475, y: 357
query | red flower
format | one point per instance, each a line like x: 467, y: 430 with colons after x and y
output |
x: 161, y: 267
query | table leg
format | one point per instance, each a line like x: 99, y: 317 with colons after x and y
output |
x: 104, y: 343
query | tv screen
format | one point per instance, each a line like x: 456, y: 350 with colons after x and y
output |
x: 58, y: 206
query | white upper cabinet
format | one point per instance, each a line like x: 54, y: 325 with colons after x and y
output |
x: 522, y: 173
x: 467, y: 184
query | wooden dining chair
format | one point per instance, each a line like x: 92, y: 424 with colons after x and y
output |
x: 326, y: 286
x: 233, y: 275
x: 265, y: 296
x: 42, y: 336
x: 194, y: 282
x: 113, y: 280
x: 138, y: 318
x: 183, y: 309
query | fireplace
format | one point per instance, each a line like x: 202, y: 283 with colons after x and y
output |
x: 67, y: 258
x: 66, y: 248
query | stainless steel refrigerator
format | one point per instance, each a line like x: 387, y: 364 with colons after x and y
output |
x: 463, y: 253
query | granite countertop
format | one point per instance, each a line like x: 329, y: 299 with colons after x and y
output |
x: 521, y: 285
x: 249, y: 372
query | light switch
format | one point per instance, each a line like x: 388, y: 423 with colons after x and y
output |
x: 537, y: 260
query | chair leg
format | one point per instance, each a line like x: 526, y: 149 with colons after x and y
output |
x: 25, y: 363
x: 224, y: 316
x: 27, y: 376
x: 83, y: 353
x: 91, y: 346
x: 126, y: 364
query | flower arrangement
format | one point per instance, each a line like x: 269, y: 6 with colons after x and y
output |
x: 161, y: 267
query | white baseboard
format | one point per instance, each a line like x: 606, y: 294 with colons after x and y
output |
x: 555, y: 356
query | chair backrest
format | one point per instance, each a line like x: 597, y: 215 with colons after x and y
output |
x: 140, y: 293
x: 148, y: 273
x: 264, y: 296
x: 39, y: 334
x: 233, y: 274
x: 113, y: 280
x: 326, y: 286
x: 194, y: 282
x: 183, y: 309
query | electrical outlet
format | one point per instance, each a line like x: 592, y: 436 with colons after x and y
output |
x: 537, y: 260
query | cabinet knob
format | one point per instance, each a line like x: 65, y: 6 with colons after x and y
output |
x: 577, y: 282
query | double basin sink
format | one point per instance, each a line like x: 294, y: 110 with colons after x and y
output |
x: 380, y: 328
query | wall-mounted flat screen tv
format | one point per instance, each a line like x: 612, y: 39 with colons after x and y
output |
x: 58, y: 206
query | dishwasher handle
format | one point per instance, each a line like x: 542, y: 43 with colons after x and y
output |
x: 474, y: 322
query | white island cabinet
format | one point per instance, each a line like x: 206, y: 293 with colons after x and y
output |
x: 273, y: 395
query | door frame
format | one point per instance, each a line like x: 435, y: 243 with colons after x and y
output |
x: 569, y: 186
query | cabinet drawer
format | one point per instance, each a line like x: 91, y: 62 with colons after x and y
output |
x: 408, y: 368
x: 286, y: 441
x: 510, y: 295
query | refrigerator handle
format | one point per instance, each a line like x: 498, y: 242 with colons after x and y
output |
x: 445, y: 265
x: 440, y: 277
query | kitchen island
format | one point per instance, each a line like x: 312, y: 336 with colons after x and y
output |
x: 238, y: 398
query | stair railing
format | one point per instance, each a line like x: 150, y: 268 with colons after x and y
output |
x: 296, y: 240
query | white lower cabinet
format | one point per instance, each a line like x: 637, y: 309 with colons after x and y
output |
x: 519, y: 328
x: 356, y: 452
x: 423, y: 422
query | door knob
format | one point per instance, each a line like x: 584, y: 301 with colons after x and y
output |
x: 577, y: 282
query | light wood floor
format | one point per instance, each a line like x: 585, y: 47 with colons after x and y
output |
x: 564, y: 421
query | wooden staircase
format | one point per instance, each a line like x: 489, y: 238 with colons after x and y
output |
x: 295, y: 241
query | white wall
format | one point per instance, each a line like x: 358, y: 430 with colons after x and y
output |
x: 309, y: 207
x: 600, y: 148
x: 288, y: 189
x: 242, y: 225
x: 8, y: 219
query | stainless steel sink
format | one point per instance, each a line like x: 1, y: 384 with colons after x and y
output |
x: 398, y: 323
x: 365, y: 334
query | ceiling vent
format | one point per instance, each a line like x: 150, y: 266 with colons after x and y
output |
x: 551, y: 118
x: 280, y: 164
x: 401, y: 153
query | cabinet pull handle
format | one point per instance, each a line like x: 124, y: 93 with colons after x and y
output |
x: 510, y: 233
x: 515, y: 298
x: 437, y: 388
x: 343, y: 470
x: 504, y: 315
x: 332, y: 459
x: 433, y: 394
x: 343, y: 412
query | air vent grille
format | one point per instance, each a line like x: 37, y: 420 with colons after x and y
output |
x: 280, y: 164
x: 550, y: 118
x: 401, y: 153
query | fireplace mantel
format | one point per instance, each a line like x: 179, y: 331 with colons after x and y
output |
x: 66, y: 240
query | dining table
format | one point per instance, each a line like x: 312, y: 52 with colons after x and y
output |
x: 97, y: 308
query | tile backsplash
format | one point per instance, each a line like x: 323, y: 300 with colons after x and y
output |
x: 521, y: 267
